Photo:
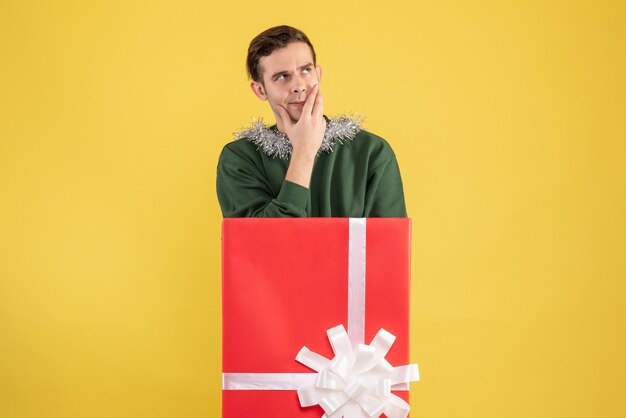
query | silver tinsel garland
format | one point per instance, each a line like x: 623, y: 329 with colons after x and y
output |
x: 276, y: 144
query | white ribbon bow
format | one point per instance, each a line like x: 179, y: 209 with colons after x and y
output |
x: 356, y: 383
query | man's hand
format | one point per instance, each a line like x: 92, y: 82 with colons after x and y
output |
x: 305, y: 137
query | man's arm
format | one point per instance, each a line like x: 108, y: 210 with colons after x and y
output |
x: 243, y: 191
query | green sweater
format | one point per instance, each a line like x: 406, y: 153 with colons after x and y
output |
x: 359, y: 178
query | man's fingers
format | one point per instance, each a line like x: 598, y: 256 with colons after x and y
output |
x: 318, y: 106
x: 308, y: 105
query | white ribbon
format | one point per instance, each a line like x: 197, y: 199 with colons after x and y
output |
x: 356, y: 281
x: 358, y: 381
x: 267, y: 381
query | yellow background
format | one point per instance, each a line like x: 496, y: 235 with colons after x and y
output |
x: 508, y: 123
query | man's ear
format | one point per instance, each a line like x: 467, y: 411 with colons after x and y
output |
x: 258, y: 90
x: 318, y: 68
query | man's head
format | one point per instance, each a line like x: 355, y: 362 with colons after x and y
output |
x: 281, y: 63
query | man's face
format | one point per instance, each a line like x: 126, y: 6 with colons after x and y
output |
x: 288, y: 77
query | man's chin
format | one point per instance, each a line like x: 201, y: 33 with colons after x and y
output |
x: 295, y: 117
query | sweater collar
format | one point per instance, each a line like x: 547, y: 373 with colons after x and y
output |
x: 275, y: 144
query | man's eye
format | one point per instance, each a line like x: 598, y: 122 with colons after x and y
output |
x: 307, y: 69
x: 282, y: 77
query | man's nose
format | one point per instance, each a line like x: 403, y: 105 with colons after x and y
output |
x: 299, y: 86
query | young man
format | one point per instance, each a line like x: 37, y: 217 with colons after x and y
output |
x: 306, y: 165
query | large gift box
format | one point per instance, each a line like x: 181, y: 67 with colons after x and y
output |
x: 311, y: 309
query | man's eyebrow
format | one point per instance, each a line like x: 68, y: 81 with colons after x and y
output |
x: 278, y: 74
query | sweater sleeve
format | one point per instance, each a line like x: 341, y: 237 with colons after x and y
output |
x: 243, y: 191
x: 385, y: 195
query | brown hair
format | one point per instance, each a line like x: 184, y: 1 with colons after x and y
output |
x: 269, y: 40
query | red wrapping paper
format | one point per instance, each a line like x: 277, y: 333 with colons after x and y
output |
x: 285, y: 283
